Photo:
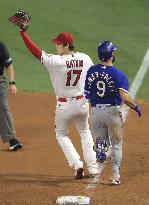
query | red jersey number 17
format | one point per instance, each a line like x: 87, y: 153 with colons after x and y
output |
x: 70, y: 74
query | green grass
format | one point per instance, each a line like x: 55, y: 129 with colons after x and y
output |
x: 123, y: 22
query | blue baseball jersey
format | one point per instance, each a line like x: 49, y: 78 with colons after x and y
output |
x: 103, y: 83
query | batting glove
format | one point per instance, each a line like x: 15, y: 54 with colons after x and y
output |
x: 138, y: 110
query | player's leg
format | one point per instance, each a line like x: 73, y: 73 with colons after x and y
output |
x: 116, y: 133
x: 63, y: 118
x: 116, y: 141
x: 86, y: 138
x: 100, y: 134
x: 7, y: 129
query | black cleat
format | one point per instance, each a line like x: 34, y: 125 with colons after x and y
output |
x: 14, y: 145
x: 79, y: 174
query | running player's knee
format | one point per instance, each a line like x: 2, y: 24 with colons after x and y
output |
x: 117, y: 146
x: 116, y: 141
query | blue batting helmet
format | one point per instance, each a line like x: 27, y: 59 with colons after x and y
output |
x: 105, y: 50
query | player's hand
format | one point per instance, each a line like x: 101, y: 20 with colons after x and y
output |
x: 138, y: 110
x: 12, y: 90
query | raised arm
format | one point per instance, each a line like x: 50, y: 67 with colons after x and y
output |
x: 33, y: 48
x: 22, y: 19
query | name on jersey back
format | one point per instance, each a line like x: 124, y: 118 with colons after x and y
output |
x: 74, y: 63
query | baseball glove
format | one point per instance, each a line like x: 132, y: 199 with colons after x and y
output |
x: 20, y: 19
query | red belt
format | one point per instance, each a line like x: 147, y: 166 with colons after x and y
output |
x: 65, y: 99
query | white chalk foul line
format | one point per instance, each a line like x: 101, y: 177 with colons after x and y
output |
x: 125, y: 109
x: 140, y: 75
x: 136, y: 83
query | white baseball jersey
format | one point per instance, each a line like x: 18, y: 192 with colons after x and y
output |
x: 67, y: 72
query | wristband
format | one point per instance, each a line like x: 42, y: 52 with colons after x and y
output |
x: 12, y: 83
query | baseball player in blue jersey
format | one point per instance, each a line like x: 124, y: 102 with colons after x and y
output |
x: 106, y: 88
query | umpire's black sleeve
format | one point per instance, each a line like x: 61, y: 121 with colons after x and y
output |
x: 5, y: 56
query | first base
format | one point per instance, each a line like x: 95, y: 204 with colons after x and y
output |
x: 73, y: 199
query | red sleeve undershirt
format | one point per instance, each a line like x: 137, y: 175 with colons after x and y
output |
x: 37, y: 52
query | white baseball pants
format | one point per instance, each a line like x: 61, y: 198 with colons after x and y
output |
x: 65, y: 113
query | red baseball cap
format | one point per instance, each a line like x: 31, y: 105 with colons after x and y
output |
x: 64, y: 37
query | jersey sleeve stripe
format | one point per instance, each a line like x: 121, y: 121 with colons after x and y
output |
x: 126, y: 91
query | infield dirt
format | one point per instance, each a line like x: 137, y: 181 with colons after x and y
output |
x: 38, y: 174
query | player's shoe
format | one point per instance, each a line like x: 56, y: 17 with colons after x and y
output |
x: 93, y: 172
x: 79, y: 174
x: 93, y: 169
x: 14, y: 145
x: 115, y: 180
x: 101, y: 147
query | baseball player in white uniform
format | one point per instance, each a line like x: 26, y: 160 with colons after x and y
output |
x: 68, y: 72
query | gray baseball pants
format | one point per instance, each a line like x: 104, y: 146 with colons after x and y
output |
x: 105, y: 122
x: 7, y: 129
